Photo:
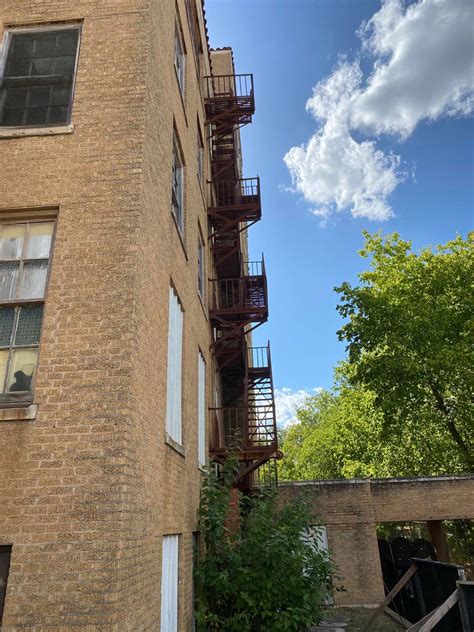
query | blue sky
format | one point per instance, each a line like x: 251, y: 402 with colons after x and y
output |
x: 419, y: 168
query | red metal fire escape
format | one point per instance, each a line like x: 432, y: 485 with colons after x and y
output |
x: 245, y: 424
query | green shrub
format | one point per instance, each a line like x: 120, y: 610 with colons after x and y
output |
x: 263, y: 577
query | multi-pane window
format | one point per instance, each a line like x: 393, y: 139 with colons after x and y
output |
x: 177, y: 187
x: 169, y: 583
x: 37, y: 85
x: 200, y: 158
x: 179, y: 58
x: 201, y: 410
x: 175, y: 360
x: 24, y: 260
x: 201, y: 266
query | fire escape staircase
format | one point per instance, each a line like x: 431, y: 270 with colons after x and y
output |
x: 245, y: 423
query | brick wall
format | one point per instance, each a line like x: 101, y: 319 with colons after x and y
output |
x: 89, y: 487
x: 350, y: 510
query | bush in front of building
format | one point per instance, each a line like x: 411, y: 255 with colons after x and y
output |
x: 256, y: 573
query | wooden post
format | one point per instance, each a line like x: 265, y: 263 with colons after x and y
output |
x: 438, y: 539
x: 439, y: 613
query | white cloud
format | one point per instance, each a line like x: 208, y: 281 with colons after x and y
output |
x: 287, y: 402
x: 423, y: 69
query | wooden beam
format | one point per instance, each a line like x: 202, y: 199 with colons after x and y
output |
x: 398, y: 618
x: 395, y: 590
x: 439, y: 613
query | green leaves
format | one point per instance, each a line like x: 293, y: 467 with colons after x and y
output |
x: 402, y: 404
x: 263, y: 577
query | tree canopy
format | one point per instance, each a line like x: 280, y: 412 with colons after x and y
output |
x: 402, y: 402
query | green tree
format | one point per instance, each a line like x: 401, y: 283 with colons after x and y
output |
x: 342, y: 434
x: 263, y: 577
x: 409, y: 333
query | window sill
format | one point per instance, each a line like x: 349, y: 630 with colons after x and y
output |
x: 177, y: 447
x: 23, y: 413
x: 20, y: 132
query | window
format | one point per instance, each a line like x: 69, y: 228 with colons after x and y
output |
x: 5, y: 556
x: 177, y: 188
x: 175, y: 353
x: 169, y: 584
x: 24, y: 261
x: 200, y: 157
x: 201, y: 410
x: 38, y: 81
x: 179, y: 58
x: 201, y: 267
x: 194, y: 29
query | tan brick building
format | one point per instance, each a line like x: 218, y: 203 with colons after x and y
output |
x: 126, y: 306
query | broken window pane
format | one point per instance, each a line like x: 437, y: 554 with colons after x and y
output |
x: 39, y: 240
x: 34, y: 279
x: 7, y: 317
x: 8, y: 280
x: 21, y: 370
x: 29, y: 325
x: 11, y: 245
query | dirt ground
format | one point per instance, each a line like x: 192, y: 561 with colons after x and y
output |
x: 357, y: 617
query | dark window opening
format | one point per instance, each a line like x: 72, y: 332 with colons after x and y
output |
x: 37, y: 85
x: 5, y: 556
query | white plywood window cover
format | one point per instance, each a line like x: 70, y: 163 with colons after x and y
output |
x: 317, y: 537
x: 169, y: 584
x: 175, y: 358
x: 201, y: 410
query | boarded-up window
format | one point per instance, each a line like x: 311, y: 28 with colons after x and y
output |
x: 169, y: 584
x: 37, y: 85
x: 5, y: 555
x: 201, y: 409
x: 175, y: 353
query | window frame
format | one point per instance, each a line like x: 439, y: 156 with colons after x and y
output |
x: 8, y: 36
x: 201, y: 264
x: 179, y: 58
x: 177, y: 193
x: 200, y: 156
x: 25, y: 398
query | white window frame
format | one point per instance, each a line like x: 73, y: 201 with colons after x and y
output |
x: 180, y: 58
x: 5, y: 49
x: 169, y: 583
x: 201, y: 410
x: 201, y: 267
x: 175, y: 368
x: 177, y: 186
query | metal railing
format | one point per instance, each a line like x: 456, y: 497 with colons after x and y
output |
x: 224, y: 86
x: 234, y: 193
x: 258, y: 357
x: 242, y: 294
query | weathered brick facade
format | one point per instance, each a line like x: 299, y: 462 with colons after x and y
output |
x: 88, y: 483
